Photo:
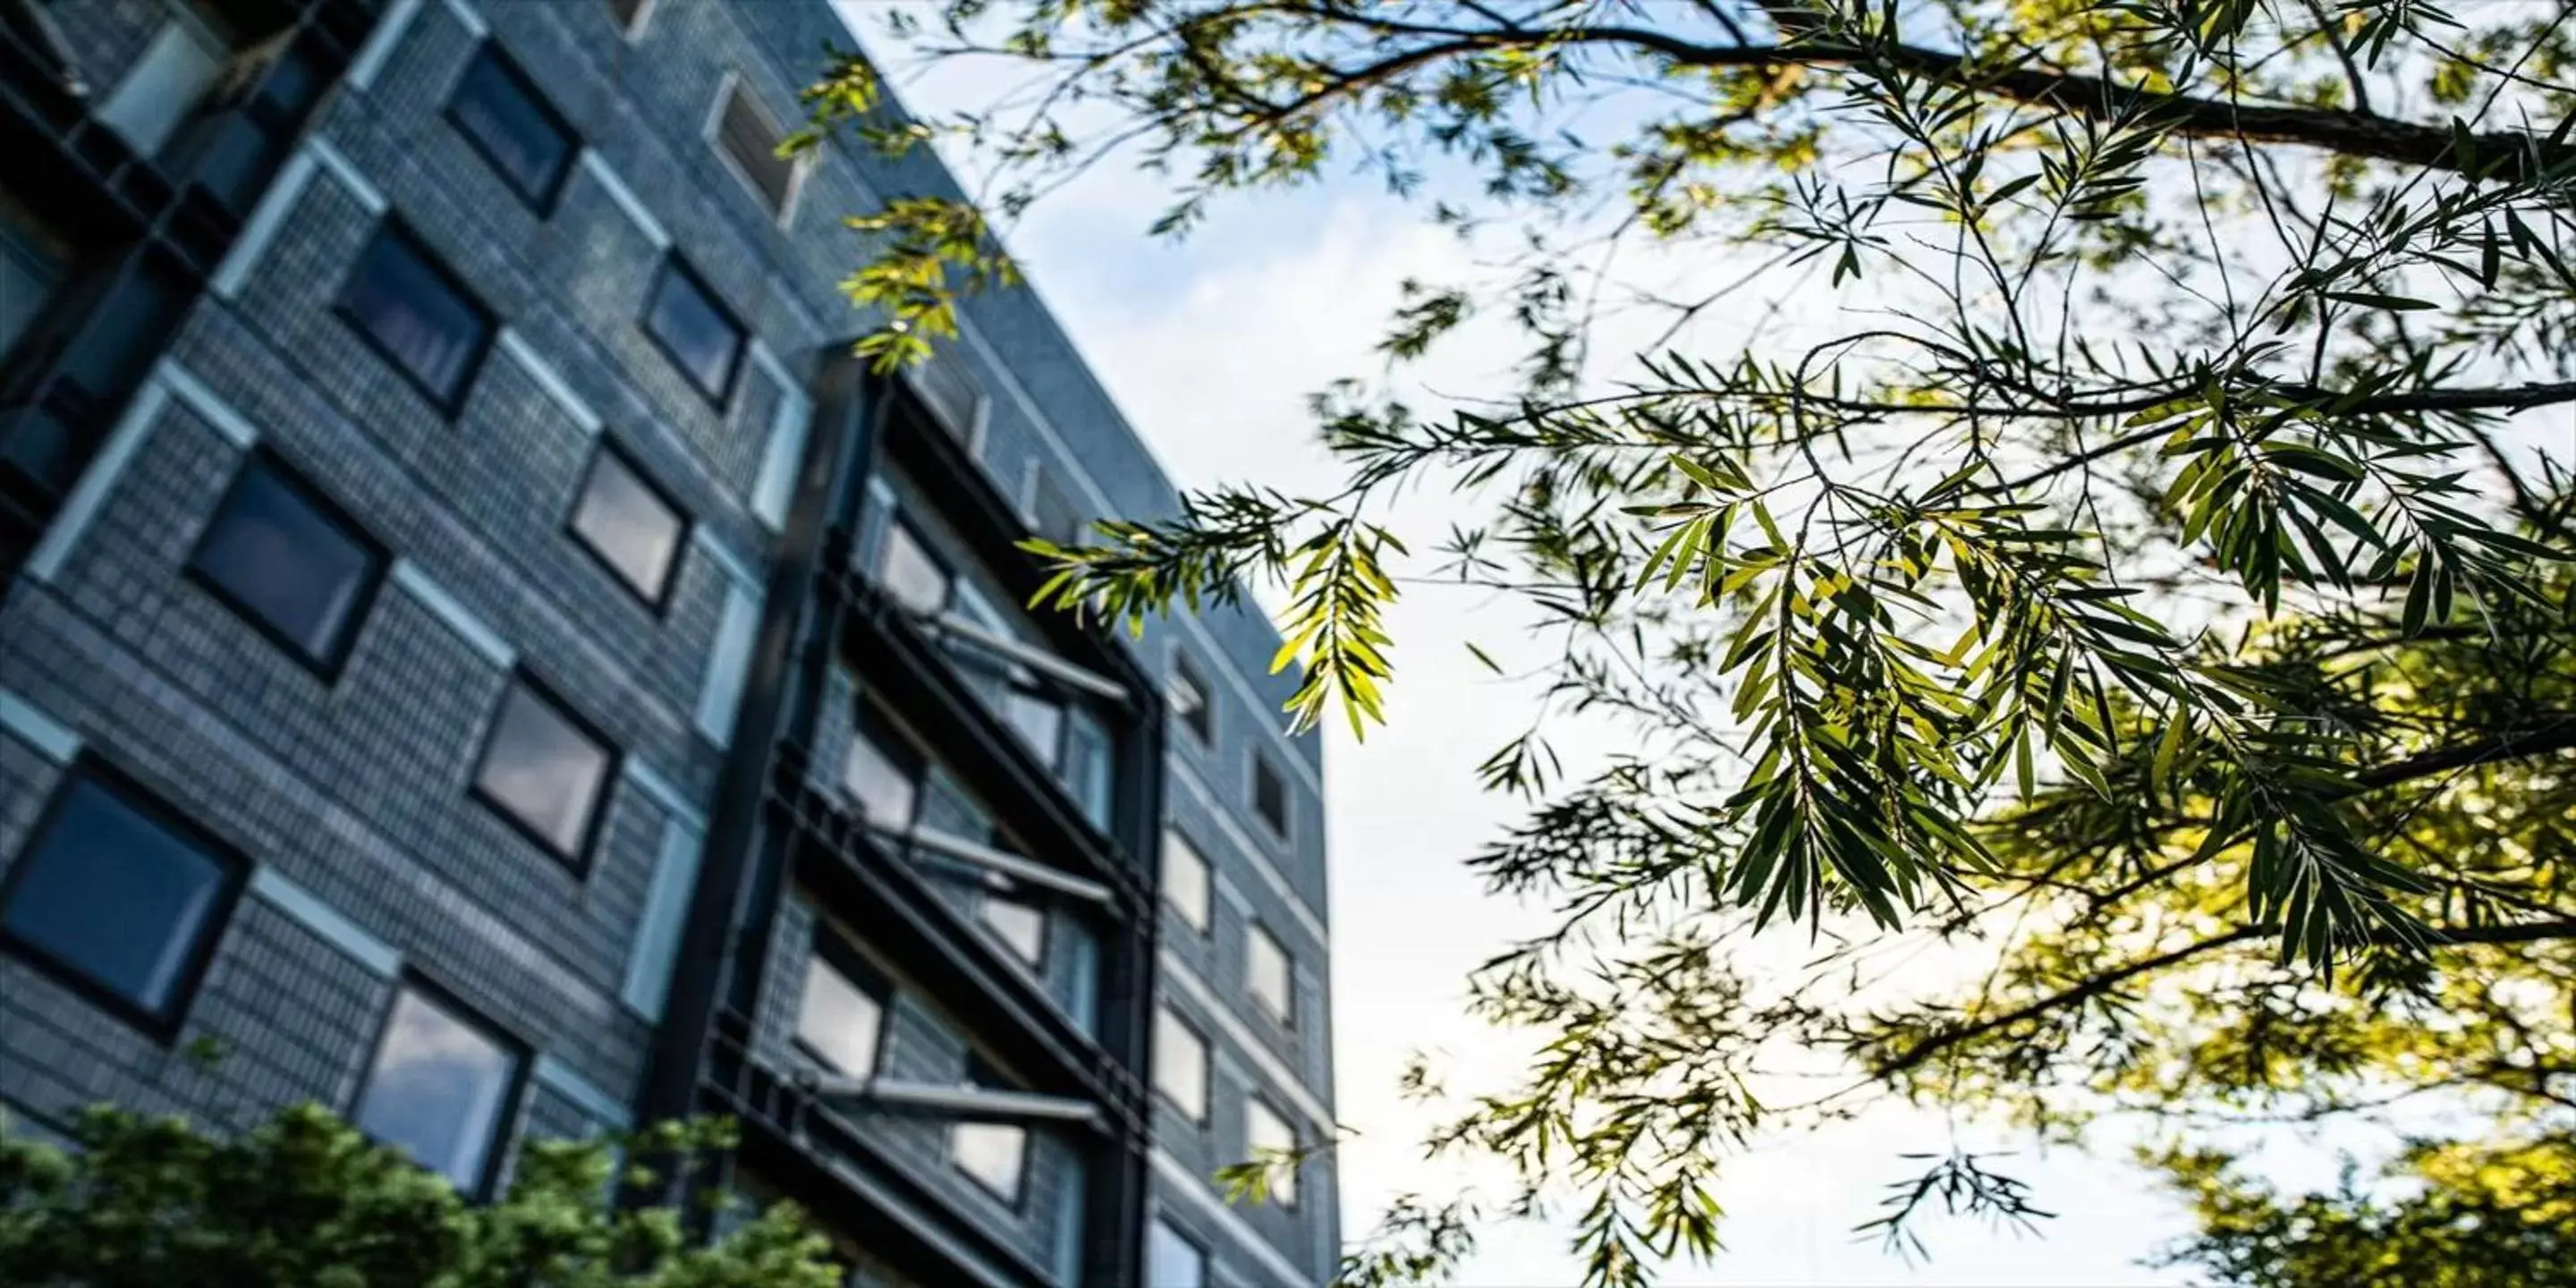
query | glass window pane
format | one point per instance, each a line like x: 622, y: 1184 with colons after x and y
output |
x: 439, y: 1089
x: 1267, y: 1136
x: 1269, y: 794
x: 1180, y: 1063
x: 33, y: 261
x: 166, y: 83
x: 517, y: 131
x: 110, y: 894
x: 285, y: 562
x: 629, y: 524
x: 994, y: 1154
x: 1172, y: 1261
x: 1038, y: 721
x: 1021, y: 927
x: 698, y: 333
x: 839, y: 1020
x: 1186, y: 885
x: 1273, y: 984
x: 422, y: 321
x: 883, y: 785
x: 1189, y: 698
x: 909, y: 573
x: 750, y: 138
x: 544, y: 770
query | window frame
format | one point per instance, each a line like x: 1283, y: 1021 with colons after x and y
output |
x: 380, y: 562
x: 234, y: 868
x: 513, y: 1097
x: 712, y: 133
x: 1256, y: 933
x: 672, y: 262
x: 1205, y: 925
x: 982, y: 1075
x: 657, y: 600
x: 1256, y: 1101
x: 1180, y: 1236
x: 543, y: 203
x: 447, y: 404
x: 1202, y: 727
x: 633, y: 29
x: 1205, y: 1114
x: 578, y: 862
x: 986, y: 898
x: 829, y: 946
x: 1283, y: 827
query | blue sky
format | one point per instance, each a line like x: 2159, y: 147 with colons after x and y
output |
x: 1211, y: 346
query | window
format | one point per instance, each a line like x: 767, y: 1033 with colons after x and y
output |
x: 883, y: 773
x: 1269, y: 1140
x: 1186, y: 883
x: 1181, y: 1064
x: 440, y: 1087
x: 630, y: 524
x: 993, y: 1155
x: 117, y: 898
x: 1171, y: 1260
x: 842, y: 1016
x: 511, y: 124
x: 290, y: 562
x: 417, y: 315
x: 1269, y: 795
x: 909, y: 573
x: 695, y: 330
x: 630, y: 14
x: 1050, y: 515
x: 1189, y: 697
x: 1021, y: 927
x: 748, y: 136
x: 165, y: 84
x: 1272, y: 978
x: 34, y: 259
x: 544, y: 770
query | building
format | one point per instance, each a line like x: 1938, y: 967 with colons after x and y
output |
x: 517, y: 675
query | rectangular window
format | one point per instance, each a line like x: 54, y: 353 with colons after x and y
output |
x: 1189, y: 697
x: 694, y: 329
x: 1171, y: 1260
x: 629, y: 14
x: 34, y: 259
x: 1187, y: 885
x: 501, y: 113
x: 993, y: 1155
x: 417, y: 315
x: 440, y: 1087
x: 884, y: 771
x: 748, y: 136
x: 164, y: 85
x: 1271, y: 1142
x: 632, y: 525
x: 545, y: 770
x: 909, y: 573
x: 289, y: 561
x: 1021, y: 927
x: 1269, y: 795
x: 1271, y: 976
x: 841, y: 1018
x: 1181, y: 1064
x: 118, y: 898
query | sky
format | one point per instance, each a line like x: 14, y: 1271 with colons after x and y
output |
x: 1211, y: 346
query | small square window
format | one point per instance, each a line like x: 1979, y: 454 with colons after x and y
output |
x: 503, y: 115
x: 1186, y: 883
x: 1269, y: 795
x: 1271, y: 976
x: 749, y: 136
x: 440, y: 1087
x: 1021, y: 927
x: 544, y: 770
x: 1271, y: 1142
x: 1189, y: 697
x: 910, y: 574
x: 841, y: 1017
x: 698, y: 333
x: 118, y: 898
x: 630, y: 524
x: 1171, y: 1260
x: 289, y: 562
x: 993, y: 1155
x: 416, y: 314
x: 1181, y: 1064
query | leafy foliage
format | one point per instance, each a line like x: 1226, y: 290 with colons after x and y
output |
x: 306, y: 1199
x: 2152, y: 609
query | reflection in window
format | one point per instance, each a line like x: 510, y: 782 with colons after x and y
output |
x: 544, y: 770
x: 696, y: 331
x: 1181, y: 1064
x: 910, y: 574
x: 173, y: 74
x: 513, y: 126
x: 629, y: 524
x: 287, y: 562
x: 1271, y: 978
x: 1171, y: 1260
x: 883, y: 773
x: 839, y: 1019
x: 1021, y: 927
x: 439, y: 1088
x: 994, y: 1155
x: 1271, y: 1142
x: 1186, y: 884
x: 417, y: 314
x: 115, y: 899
